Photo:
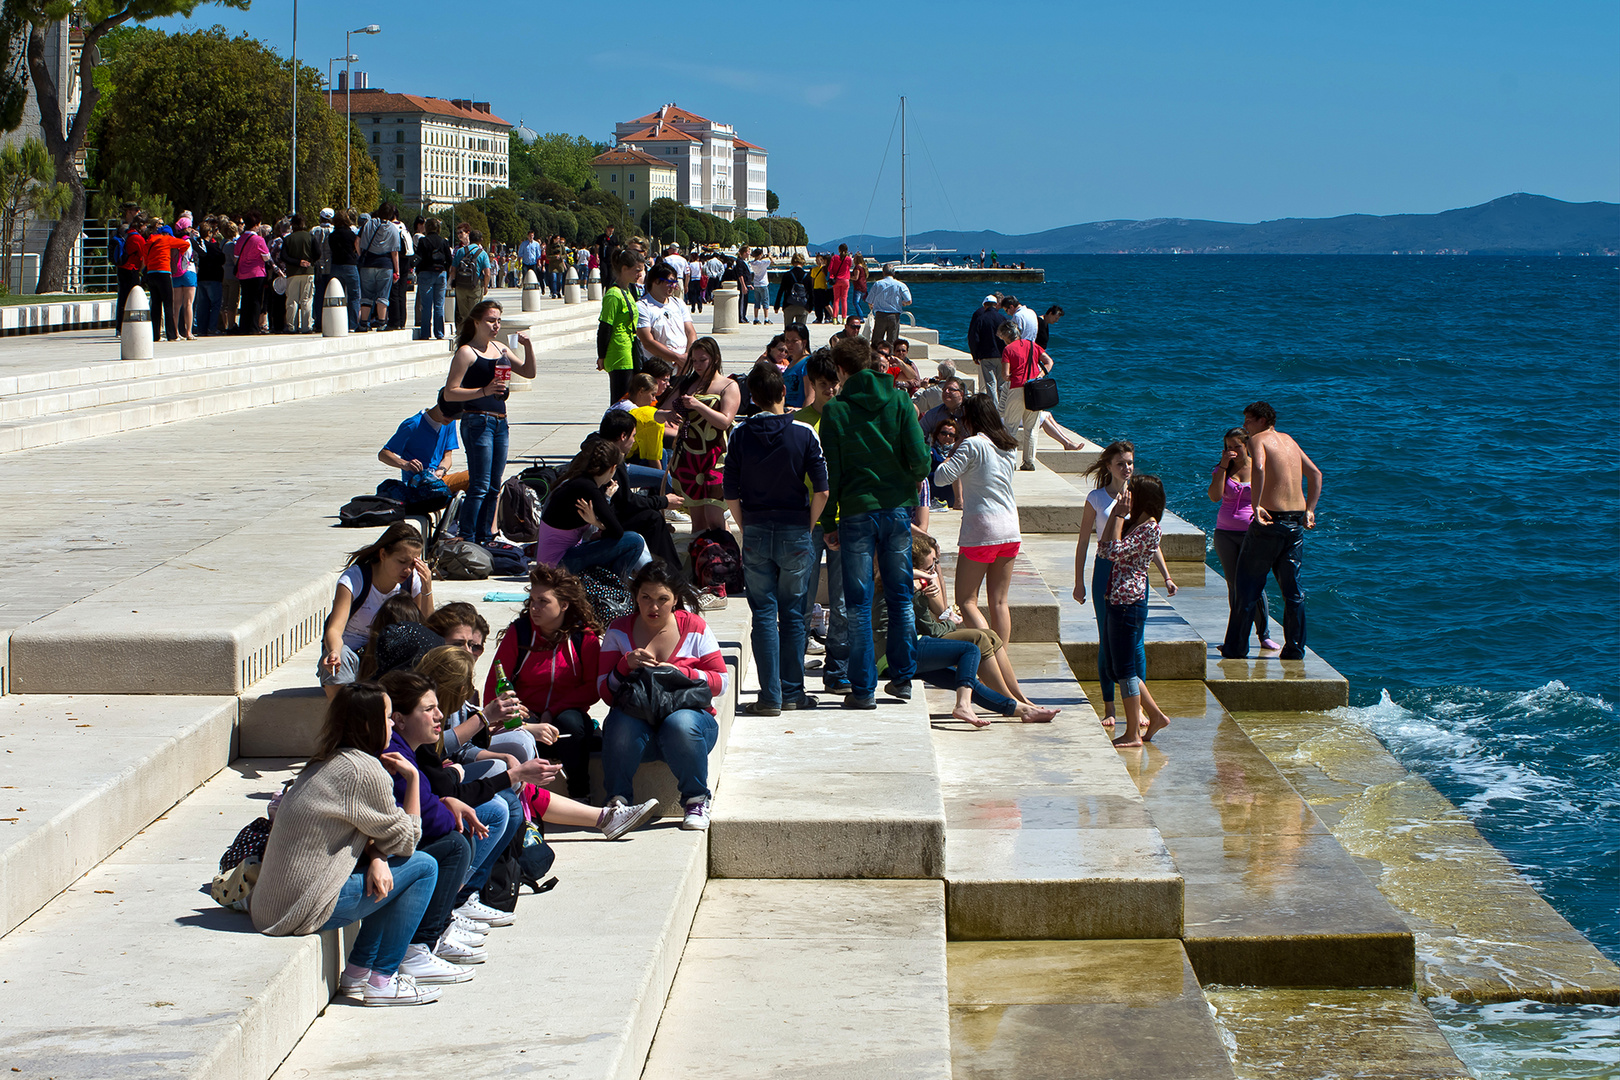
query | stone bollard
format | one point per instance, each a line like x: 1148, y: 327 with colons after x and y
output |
x: 725, y: 310
x: 451, y: 328
x: 532, y: 291
x: 571, y: 287
x: 594, y: 291
x: 335, y: 313
x: 135, y: 337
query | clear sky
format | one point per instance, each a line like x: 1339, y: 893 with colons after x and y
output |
x: 1028, y: 116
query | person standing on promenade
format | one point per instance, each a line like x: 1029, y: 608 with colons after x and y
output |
x: 663, y: 325
x: 616, y: 329
x: 299, y: 254
x: 984, y: 345
x: 822, y: 378
x: 469, y: 272
x: 1043, y: 324
x: 484, y: 432
x: 1275, y: 542
x: 1230, y: 486
x: 1024, y: 360
x: 989, y: 539
x: 857, y: 287
x: 776, y: 485
x: 322, y: 233
x: 876, y: 463
x: 839, y: 271
x: 434, y: 258
x: 761, y: 285
x: 793, y: 293
x: 529, y: 256
x: 1130, y: 540
x: 888, y: 296
x: 1028, y: 326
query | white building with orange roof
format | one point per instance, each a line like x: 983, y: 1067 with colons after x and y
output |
x: 715, y: 171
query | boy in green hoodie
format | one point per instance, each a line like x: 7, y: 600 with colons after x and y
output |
x: 876, y: 460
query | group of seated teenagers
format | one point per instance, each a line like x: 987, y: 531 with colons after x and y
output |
x: 419, y: 780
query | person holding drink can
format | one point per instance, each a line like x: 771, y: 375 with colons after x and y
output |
x: 480, y: 380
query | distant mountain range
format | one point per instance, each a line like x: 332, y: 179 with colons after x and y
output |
x: 1515, y: 225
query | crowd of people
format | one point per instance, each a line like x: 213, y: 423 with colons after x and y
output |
x: 833, y: 455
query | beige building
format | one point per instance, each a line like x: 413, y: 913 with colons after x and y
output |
x: 426, y: 148
x: 715, y: 171
x: 636, y: 177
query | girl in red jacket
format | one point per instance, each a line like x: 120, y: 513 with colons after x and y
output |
x: 665, y: 631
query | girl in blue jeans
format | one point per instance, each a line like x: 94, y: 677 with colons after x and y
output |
x: 341, y: 850
x: 480, y: 380
x: 1130, y: 540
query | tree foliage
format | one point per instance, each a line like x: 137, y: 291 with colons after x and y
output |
x: 562, y: 159
x: 28, y: 188
x: 223, y: 139
x: 772, y: 203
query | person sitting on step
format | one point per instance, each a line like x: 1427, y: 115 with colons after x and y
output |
x: 578, y: 527
x: 390, y: 564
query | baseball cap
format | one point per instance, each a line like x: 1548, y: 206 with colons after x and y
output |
x: 327, y: 213
x: 992, y: 299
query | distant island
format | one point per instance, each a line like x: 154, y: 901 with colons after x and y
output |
x: 1519, y: 224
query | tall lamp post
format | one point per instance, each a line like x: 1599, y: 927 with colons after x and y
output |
x: 348, y: 107
x: 294, y: 208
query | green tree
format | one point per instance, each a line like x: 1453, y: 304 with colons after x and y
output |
x: 506, y: 223
x: 223, y: 139
x: 771, y: 201
x: 28, y: 188
x: 64, y: 140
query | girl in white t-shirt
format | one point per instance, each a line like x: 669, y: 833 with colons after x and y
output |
x: 989, y: 541
x: 379, y: 570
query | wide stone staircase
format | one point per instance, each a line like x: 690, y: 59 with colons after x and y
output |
x: 881, y: 894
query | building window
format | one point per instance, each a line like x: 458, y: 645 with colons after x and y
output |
x: 399, y: 136
x: 613, y: 178
x: 399, y: 161
x: 376, y: 137
x: 632, y: 195
x: 632, y: 178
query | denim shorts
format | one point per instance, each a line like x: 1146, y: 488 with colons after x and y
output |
x: 375, y: 284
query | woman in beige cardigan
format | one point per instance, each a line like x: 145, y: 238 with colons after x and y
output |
x: 342, y: 850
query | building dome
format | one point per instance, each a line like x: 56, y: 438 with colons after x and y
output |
x: 524, y: 132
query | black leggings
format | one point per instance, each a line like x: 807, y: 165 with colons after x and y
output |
x: 573, y: 751
x: 1228, y: 542
x: 160, y: 293
x: 252, y: 300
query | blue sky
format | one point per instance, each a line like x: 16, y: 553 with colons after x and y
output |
x: 1037, y: 115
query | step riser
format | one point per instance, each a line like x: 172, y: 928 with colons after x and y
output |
x: 1358, y: 960
x: 1080, y: 910
x: 1165, y: 659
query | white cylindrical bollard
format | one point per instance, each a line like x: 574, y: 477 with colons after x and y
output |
x: 594, y: 290
x: 532, y: 291
x: 724, y: 301
x: 451, y: 326
x: 335, y: 316
x: 135, y: 336
x: 571, y: 287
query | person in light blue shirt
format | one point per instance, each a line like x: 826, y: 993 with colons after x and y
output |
x: 529, y: 254
x: 423, y: 443
x: 888, y: 297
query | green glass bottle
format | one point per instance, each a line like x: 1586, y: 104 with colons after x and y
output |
x: 502, y: 687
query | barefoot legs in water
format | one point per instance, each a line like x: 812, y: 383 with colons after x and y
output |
x: 1028, y: 714
x: 1138, y: 730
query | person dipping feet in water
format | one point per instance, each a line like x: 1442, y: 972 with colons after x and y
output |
x: 1129, y: 540
x: 1275, y: 542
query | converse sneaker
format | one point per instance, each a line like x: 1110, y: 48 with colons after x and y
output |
x: 352, y: 986
x: 462, y: 937
x: 401, y: 990
x: 468, y: 928
x: 711, y: 599
x: 456, y: 951
x: 481, y: 912
x: 675, y: 517
x: 429, y: 970
x: 622, y: 818
x: 697, y: 814
x: 814, y: 648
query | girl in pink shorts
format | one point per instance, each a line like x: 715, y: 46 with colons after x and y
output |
x: 985, y: 462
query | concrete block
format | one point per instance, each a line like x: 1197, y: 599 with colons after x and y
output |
x: 82, y: 774
x: 773, y: 967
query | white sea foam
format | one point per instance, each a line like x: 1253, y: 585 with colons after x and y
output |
x: 1527, y: 1040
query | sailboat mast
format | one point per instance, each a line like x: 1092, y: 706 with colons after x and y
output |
x: 905, y: 246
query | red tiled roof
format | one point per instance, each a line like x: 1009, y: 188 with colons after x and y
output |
x: 670, y: 113
x: 652, y: 134
x: 380, y: 101
x: 744, y: 143
x: 629, y: 156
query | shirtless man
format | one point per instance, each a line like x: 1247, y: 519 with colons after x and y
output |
x: 1275, y: 542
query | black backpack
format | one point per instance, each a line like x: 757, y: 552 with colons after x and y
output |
x: 526, y: 858
x: 467, y: 267
x: 541, y: 479
x: 369, y: 511
x: 517, y: 513
x: 798, y: 292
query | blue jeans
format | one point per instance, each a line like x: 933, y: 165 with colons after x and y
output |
x: 835, y: 665
x: 683, y: 741
x: 209, y: 295
x: 951, y: 664
x: 453, y: 853
x: 387, y: 922
x: 496, y: 814
x: 1278, y: 548
x: 1126, y: 623
x: 430, y: 302
x: 484, y: 438
x: 623, y: 556
x: 349, y: 278
x: 644, y: 476
x: 857, y: 303
x: 776, y: 569
x: 883, y: 538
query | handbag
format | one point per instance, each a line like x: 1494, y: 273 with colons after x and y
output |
x: 651, y: 693
x: 1040, y: 395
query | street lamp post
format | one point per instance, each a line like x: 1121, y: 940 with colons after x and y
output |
x: 348, y: 106
x: 294, y: 207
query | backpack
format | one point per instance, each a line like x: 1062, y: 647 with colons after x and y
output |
x: 517, y: 513
x: 461, y: 560
x: 798, y: 293
x: 525, y: 859
x: 607, y: 594
x: 421, y: 494
x: 717, y: 561
x: 507, y: 559
x: 369, y: 511
x: 540, y: 479
x: 467, y: 265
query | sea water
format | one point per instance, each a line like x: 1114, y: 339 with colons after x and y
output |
x: 1465, y: 412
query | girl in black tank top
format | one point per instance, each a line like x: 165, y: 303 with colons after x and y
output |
x: 483, y: 423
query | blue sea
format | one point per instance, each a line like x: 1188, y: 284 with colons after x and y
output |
x: 1465, y: 412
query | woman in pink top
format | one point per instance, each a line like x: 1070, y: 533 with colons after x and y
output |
x: 252, y: 266
x: 839, y: 271
x: 1229, y: 486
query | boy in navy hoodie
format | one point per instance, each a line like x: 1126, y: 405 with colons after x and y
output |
x: 776, y: 485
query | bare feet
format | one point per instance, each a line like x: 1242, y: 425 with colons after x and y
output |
x: 1036, y: 714
x: 963, y: 712
x: 1155, y: 725
x: 1108, y: 720
x: 1128, y: 741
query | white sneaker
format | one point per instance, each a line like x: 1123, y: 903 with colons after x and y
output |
x: 462, y: 937
x: 711, y: 599
x: 813, y: 647
x: 697, y: 814
x: 675, y: 517
x: 401, y: 990
x: 351, y: 987
x: 480, y: 912
x: 621, y: 819
x: 468, y: 928
x: 429, y: 970
x: 457, y: 952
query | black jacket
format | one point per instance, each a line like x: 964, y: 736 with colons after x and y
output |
x: 983, y: 343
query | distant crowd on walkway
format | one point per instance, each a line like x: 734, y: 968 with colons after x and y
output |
x: 828, y: 459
